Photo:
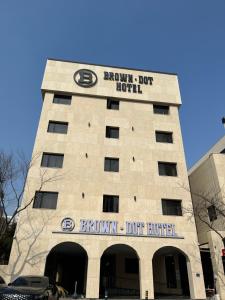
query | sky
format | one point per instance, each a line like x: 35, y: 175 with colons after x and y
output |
x: 186, y: 37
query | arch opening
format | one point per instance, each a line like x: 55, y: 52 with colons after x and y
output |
x: 119, y: 273
x: 170, y: 274
x: 66, y: 265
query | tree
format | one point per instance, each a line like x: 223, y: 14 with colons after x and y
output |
x: 209, y: 209
x: 14, y: 171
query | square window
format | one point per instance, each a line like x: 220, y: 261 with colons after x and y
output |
x: 110, y: 203
x: 111, y: 164
x: 45, y: 200
x: 171, y: 207
x: 164, y: 137
x: 212, y: 213
x: 52, y: 160
x: 62, y: 99
x: 112, y: 132
x: 161, y: 109
x: 167, y: 169
x: 113, y: 104
x: 57, y: 127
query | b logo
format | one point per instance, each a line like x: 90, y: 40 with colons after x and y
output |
x: 67, y: 224
x: 85, y: 78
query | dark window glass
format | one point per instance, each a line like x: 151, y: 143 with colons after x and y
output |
x: 212, y: 213
x: 111, y: 164
x: 161, y: 109
x: 164, y: 137
x: 170, y: 272
x: 52, y: 160
x: 131, y: 265
x: 171, y: 207
x: 45, y: 200
x: 110, y: 203
x: 223, y: 151
x: 57, y: 127
x: 113, y: 104
x: 167, y: 169
x: 112, y: 132
x: 62, y: 99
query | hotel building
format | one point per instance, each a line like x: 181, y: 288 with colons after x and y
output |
x: 107, y: 174
x: 207, y: 179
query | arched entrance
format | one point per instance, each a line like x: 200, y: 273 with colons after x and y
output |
x: 119, y: 272
x: 170, y: 274
x: 66, y: 264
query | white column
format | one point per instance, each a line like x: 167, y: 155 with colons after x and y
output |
x: 93, y: 276
x: 146, y: 277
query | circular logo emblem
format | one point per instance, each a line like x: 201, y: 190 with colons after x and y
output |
x: 85, y: 78
x: 67, y: 224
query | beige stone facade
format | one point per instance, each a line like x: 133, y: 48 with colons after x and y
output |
x: 207, y: 179
x: 82, y: 182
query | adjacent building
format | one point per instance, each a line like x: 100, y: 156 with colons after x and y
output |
x: 107, y: 177
x: 207, y: 179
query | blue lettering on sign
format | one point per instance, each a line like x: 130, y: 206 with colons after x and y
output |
x: 136, y: 228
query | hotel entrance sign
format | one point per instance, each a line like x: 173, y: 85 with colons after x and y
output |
x: 105, y: 227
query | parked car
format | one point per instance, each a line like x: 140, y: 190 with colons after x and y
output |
x: 29, y: 288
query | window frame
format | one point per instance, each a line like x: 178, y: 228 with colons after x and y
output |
x: 160, y: 109
x: 106, y: 206
x: 108, y: 132
x: 46, y: 163
x: 68, y: 99
x: 165, y: 209
x: 55, y: 123
x: 166, y: 169
x: 212, y: 213
x: 42, y: 200
x: 109, y: 164
x: 111, y: 102
x: 165, y: 133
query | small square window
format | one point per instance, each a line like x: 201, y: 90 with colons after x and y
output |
x: 167, y: 169
x: 164, y: 137
x: 110, y: 203
x: 45, y: 200
x: 62, y: 99
x: 111, y: 164
x: 112, y: 132
x: 212, y: 213
x: 161, y: 109
x: 52, y: 160
x: 171, y: 207
x: 113, y: 104
x: 57, y: 127
x: 223, y: 151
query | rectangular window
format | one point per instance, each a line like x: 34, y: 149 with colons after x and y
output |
x: 57, y: 127
x: 112, y: 132
x: 110, y: 203
x: 167, y: 169
x: 170, y: 272
x: 62, y: 99
x: 131, y: 265
x: 45, y: 200
x: 111, y: 164
x: 171, y: 207
x: 164, y: 137
x: 52, y: 160
x: 223, y: 151
x: 161, y: 109
x: 113, y: 104
x: 212, y: 213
